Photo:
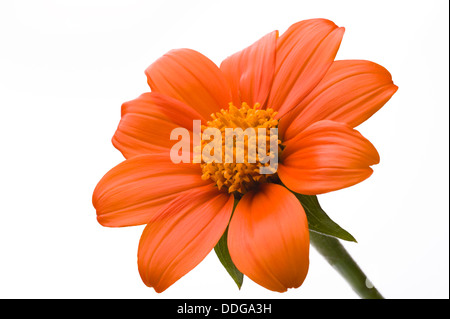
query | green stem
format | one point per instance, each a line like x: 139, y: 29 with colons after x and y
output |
x: 336, y: 255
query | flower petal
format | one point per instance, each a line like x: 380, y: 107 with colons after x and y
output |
x: 350, y: 92
x: 325, y: 157
x: 192, y: 78
x: 147, y: 122
x: 133, y: 191
x: 182, y: 235
x: 268, y: 238
x: 250, y: 71
x: 304, y: 54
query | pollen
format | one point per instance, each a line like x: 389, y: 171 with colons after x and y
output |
x: 242, y: 172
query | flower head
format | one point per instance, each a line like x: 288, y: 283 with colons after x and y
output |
x: 289, y: 82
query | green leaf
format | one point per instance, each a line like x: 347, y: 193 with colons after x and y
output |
x: 222, y: 252
x: 318, y: 220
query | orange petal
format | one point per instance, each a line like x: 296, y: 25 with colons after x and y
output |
x: 147, y: 122
x: 268, y: 238
x: 351, y: 92
x: 133, y: 191
x: 250, y: 71
x: 190, y: 77
x: 304, y: 54
x: 325, y: 157
x: 182, y: 235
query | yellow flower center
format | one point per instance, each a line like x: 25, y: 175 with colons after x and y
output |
x: 240, y: 176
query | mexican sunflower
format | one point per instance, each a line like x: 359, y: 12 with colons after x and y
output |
x: 289, y: 82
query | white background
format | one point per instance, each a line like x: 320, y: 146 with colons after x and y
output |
x: 67, y: 66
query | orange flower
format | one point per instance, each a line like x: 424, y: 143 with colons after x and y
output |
x: 290, y: 82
